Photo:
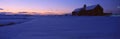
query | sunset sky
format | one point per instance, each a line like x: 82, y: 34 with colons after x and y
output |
x: 55, y: 6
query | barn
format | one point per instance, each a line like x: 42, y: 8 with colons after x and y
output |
x: 94, y: 10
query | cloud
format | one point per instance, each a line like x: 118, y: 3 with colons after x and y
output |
x: 1, y: 9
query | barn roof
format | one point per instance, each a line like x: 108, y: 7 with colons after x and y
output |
x: 77, y: 10
x: 91, y: 7
x: 87, y: 8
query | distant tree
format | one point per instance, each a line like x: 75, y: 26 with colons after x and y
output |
x: 1, y: 9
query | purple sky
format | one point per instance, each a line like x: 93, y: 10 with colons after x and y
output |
x: 56, y: 6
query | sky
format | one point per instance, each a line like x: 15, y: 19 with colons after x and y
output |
x: 56, y: 6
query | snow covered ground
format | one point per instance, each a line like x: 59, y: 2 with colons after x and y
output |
x: 64, y: 27
x: 10, y: 20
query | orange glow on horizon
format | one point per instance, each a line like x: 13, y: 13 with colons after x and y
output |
x: 33, y: 11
